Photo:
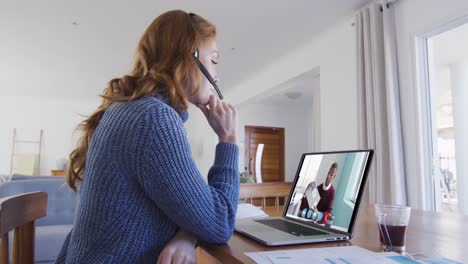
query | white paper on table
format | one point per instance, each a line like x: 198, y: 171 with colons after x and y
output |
x: 347, y: 254
x: 417, y: 258
x: 249, y: 211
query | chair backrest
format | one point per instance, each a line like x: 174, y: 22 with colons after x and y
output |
x: 264, y: 190
x: 61, y: 199
x: 19, y: 213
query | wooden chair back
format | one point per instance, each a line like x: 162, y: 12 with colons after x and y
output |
x: 19, y: 213
x: 265, y: 190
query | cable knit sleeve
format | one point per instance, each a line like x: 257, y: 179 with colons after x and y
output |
x: 169, y: 176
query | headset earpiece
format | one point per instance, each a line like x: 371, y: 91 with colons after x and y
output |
x: 201, y: 67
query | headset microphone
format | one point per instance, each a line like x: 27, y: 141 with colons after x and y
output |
x: 207, y: 74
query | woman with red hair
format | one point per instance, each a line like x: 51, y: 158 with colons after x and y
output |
x: 141, y: 196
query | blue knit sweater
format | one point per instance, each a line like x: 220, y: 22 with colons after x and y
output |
x: 141, y: 184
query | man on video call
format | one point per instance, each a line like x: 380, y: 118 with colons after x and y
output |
x: 326, y: 192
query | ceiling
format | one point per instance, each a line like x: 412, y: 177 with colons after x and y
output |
x: 73, y: 48
x: 301, y: 88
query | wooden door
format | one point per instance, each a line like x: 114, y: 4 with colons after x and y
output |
x: 272, y: 167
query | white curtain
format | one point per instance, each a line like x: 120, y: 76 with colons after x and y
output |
x: 378, y: 103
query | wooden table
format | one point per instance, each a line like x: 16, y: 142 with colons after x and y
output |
x: 57, y: 172
x: 430, y: 234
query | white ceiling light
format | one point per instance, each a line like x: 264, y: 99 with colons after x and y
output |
x: 293, y: 95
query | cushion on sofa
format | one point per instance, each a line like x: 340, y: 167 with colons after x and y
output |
x: 51, y: 230
x: 61, y: 200
x: 21, y: 177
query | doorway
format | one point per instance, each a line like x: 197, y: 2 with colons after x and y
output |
x: 264, y: 153
x: 444, y: 81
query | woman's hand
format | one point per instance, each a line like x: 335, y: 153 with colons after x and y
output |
x: 222, y: 117
x: 179, y: 250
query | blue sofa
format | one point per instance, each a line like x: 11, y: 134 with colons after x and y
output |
x: 52, y: 229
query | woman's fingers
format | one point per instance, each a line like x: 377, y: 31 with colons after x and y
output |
x: 219, y: 105
x: 178, y: 259
x: 226, y: 108
x: 233, y: 109
x: 213, y: 102
x: 222, y: 117
x: 165, y: 257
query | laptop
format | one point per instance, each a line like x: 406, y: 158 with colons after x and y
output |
x: 339, y: 178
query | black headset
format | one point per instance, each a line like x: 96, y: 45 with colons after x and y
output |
x: 201, y: 67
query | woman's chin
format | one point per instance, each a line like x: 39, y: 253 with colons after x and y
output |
x: 199, y: 101
x: 205, y: 100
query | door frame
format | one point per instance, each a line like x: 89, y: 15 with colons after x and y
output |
x: 425, y: 88
x: 247, y: 147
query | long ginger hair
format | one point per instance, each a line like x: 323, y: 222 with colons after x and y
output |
x: 163, y: 65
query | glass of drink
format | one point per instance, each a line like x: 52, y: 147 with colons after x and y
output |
x: 392, y: 221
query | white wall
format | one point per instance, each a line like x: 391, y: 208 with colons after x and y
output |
x: 58, y: 117
x: 296, y: 120
x: 333, y: 51
x: 292, y: 118
x: 414, y: 18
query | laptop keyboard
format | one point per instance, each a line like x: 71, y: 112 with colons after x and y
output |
x: 291, y: 228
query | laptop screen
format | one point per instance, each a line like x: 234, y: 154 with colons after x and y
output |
x: 327, y: 189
